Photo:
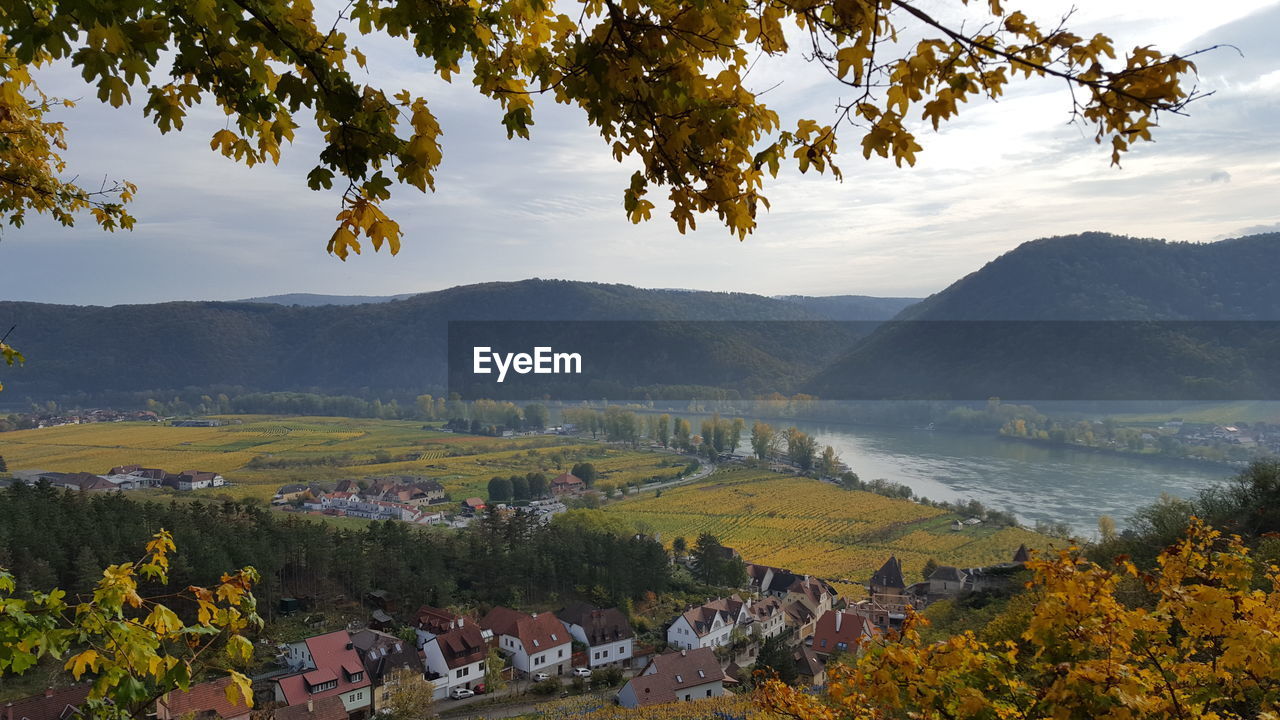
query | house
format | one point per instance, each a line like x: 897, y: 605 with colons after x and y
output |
x: 567, y: 484
x: 839, y: 632
x: 472, y: 506
x: 325, y: 708
x: 326, y: 666
x: 431, y: 621
x: 1022, y: 555
x: 946, y: 580
x: 798, y: 616
x: 456, y: 657
x: 60, y: 704
x: 677, y: 676
x: 198, y: 480
x: 888, y: 579
x: 768, y: 618
x: 206, y: 700
x: 709, y: 625
x: 535, y: 643
x: 81, y: 481
x: 606, y: 633
x: 383, y: 655
x: 815, y: 594
x: 290, y: 493
x: 809, y: 669
x: 406, y: 489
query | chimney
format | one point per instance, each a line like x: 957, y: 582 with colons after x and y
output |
x: 839, y: 617
x: 48, y: 692
x: 684, y: 653
x: 311, y: 706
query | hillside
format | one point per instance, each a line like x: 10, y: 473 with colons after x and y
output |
x: 399, y: 346
x: 852, y: 308
x: 313, y: 299
x: 1069, y: 318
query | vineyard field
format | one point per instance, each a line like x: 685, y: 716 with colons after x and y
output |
x: 809, y: 526
x: 258, y: 454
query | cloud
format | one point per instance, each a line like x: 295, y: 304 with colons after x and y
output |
x: 1000, y: 174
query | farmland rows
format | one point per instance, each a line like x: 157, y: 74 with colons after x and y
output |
x: 814, y: 527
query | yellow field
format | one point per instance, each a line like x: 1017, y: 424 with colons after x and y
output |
x: 814, y: 527
x: 349, y: 447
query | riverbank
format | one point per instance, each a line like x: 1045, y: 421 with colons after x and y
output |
x: 1229, y: 465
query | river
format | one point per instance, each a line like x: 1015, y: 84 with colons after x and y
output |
x: 1056, y: 484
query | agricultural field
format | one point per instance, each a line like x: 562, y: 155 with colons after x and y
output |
x: 600, y: 706
x: 258, y: 454
x: 809, y: 526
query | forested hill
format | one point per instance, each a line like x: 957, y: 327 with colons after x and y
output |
x: 1011, y: 340
x: 378, y: 347
x: 1096, y: 276
x: 852, y: 307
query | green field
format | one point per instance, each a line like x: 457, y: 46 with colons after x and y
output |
x: 259, y: 453
x: 810, y: 526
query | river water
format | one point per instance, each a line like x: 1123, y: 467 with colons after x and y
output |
x: 1057, y: 484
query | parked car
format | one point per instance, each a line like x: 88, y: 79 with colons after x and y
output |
x: 582, y: 672
x: 478, y: 688
x: 459, y: 693
x: 539, y: 677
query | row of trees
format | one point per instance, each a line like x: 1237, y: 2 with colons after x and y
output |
x: 51, y: 538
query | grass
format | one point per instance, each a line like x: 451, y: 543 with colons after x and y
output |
x: 809, y: 526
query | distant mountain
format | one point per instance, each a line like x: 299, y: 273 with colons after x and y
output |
x: 854, y: 308
x: 400, y: 346
x: 1071, y: 317
x: 1096, y: 276
x: 313, y: 300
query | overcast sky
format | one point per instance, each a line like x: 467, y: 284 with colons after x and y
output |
x: 551, y: 207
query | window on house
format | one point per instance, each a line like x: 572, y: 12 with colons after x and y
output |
x: 842, y: 646
x: 460, y: 673
x: 708, y: 692
x: 679, y: 679
x: 561, y: 652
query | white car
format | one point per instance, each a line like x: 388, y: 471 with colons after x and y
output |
x: 459, y: 693
x: 539, y: 677
x: 582, y: 672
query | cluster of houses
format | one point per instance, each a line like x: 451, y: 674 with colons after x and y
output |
x: 1260, y: 435
x: 44, y: 419
x: 407, y: 498
x: 123, y: 477
x: 412, y: 499
x: 350, y: 674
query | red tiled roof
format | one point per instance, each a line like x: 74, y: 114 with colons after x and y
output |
x: 567, y: 479
x: 462, y: 646
x: 325, y: 708
x: 853, y: 629
x: 674, y: 671
x: 535, y: 633
x: 50, y: 705
x: 334, y: 658
x: 206, y: 697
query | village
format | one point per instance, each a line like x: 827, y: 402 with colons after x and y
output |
x: 507, y: 656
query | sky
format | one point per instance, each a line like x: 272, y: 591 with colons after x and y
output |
x: 551, y: 207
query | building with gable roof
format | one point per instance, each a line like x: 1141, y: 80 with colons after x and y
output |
x: 711, y: 624
x: 677, y: 676
x: 201, y: 701
x: 455, y: 657
x: 382, y: 655
x: 60, y: 704
x: 324, y: 666
x: 535, y: 643
x: 839, y: 632
x: 606, y: 633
